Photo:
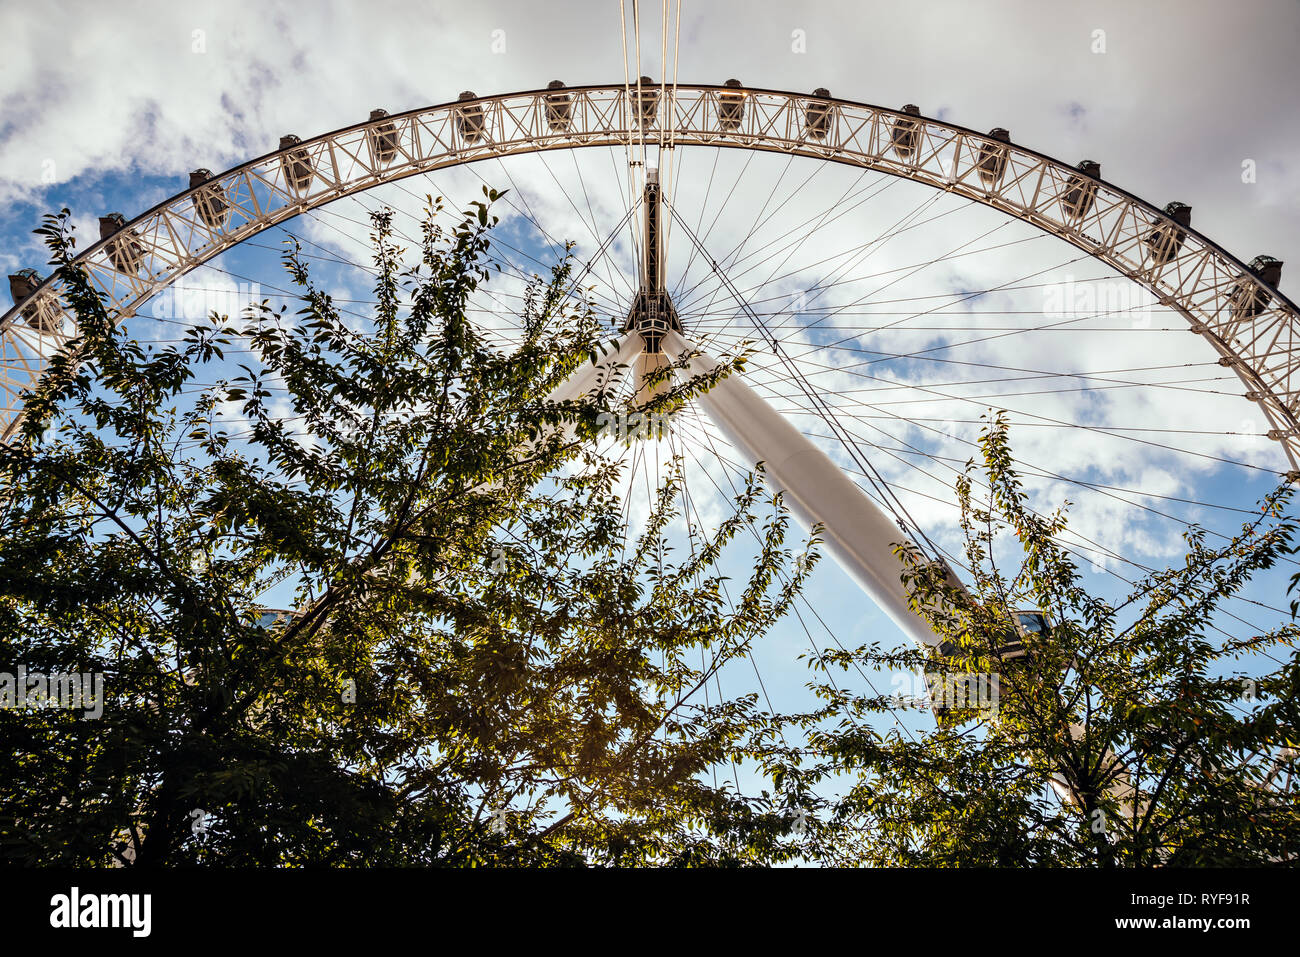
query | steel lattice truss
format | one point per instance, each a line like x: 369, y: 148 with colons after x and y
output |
x: 1252, y: 327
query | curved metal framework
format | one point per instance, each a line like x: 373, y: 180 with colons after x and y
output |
x: 1235, y: 307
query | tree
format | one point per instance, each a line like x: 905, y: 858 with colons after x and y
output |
x: 1158, y: 747
x: 474, y: 668
x: 483, y: 664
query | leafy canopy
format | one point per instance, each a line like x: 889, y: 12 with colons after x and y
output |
x: 474, y: 629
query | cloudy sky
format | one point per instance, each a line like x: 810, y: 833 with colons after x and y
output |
x: 1186, y: 90
x: 108, y: 107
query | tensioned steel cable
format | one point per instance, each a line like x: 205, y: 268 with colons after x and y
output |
x: 804, y: 230
x: 921, y: 424
x: 889, y: 702
x: 892, y: 501
x: 671, y: 112
x: 1110, y: 552
x: 501, y: 242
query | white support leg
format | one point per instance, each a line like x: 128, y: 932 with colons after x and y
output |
x: 857, y: 533
x: 592, y: 374
x: 648, y: 363
x: 588, y: 376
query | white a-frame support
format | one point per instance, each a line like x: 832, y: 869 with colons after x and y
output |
x: 857, y: 532
x: 608, y: 369
x: 589, y: 375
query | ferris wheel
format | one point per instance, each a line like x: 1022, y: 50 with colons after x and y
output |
x: 895, y: 274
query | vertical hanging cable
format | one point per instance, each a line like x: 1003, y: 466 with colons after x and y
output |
x: 633, y: 196
x: 636, y: 115
x: 888, y: 498
x: 663, y: 76
x: 671, y: 113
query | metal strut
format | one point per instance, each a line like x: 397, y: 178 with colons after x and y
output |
x: 652, y: 314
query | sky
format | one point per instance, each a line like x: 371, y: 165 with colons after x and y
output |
x: 1186, y: 90
x: 109, y: 108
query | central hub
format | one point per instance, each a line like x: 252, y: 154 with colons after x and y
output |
x: 652, y: 314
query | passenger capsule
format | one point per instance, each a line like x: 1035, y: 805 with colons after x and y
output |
x: 1247, y: 298
x: 296, y: 164
x: 22, y: 285
x: 559, y: 108
x: 382, y: 137
x: 1167, y: 238
x: 124, y: 250
x: 1016, y: 638
x: 646, y: 103
x: 817, y: 114
x: 905, y: 133
x: 471, y: 123
x: 1081, y: 190
x: 1031, y: 626
x: 209, y: 201
x: 992, y: 161
x: 1009, y: 645
x: 731, y: 107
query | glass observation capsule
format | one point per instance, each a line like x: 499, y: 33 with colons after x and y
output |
x: 817, y: 114
x: 382, y: 137
x: 471, y: 121
x: 1166, y: 239
x: 905, y: 133
x: 1081, y: 189
x: 645, y: 103
x: 1248, y: 298
x: 559, y: 108
x: 209, y: 200
x: 124, y: 249
x: 731, y: 107
x: 296, y: 164
x: 992, y: 162
x: 21, y: 286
